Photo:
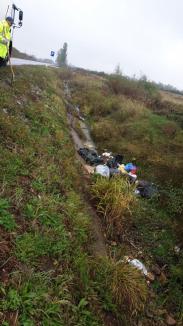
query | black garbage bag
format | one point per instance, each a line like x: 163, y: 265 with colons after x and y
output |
x: 119, y: 158
x: 90, y: 156
x: 113, y: 162
x: 147, y: 189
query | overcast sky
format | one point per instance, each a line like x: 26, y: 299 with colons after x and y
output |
x: 143, y: 36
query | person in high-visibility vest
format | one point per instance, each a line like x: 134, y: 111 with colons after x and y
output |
x: 5, y: 39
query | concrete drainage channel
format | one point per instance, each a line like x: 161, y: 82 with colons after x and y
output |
x: 98, y: 246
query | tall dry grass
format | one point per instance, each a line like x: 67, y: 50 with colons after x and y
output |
x: 128, y: 288
x: 115, y: 201
x: 125, y: 286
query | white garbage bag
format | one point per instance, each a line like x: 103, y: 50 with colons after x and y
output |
x: 103, y: 170
x: 136, y: 263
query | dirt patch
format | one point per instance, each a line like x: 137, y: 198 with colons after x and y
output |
x: 98, y: 246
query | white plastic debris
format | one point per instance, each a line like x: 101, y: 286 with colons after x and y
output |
x: 106, y: 154
x: 133, y: 176
x: 177, y: 249
x: 103, y: 170
x: 137, y: 192
x: 136, y: 263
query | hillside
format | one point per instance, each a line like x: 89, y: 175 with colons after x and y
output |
x: 64, y: 235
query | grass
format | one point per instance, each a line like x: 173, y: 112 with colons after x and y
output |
x: 129, y: 117
x: 115, y: 202
x: 123, y: 289
x: 50, y: 276
x: 44, y: 226
x: 128, y: 288
x: 6, y: 219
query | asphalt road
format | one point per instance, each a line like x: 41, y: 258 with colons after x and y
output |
x: 21, y: 62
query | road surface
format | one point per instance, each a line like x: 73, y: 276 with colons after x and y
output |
x: 20, y: 62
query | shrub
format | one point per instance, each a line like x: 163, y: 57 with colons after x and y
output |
x: 123, y: 285
x: 115, y: 202
x: 128, y: 287
x: 136, y: 89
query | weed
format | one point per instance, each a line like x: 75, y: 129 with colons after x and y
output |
x: 29, y: 246
x: 6, y: 219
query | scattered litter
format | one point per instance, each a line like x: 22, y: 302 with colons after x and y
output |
x: 90, y: 156
x: 106, y: 154
x: 114, y: 166
x: 129, y: 167
x: 137, y: 192
x: 133, y: 176
x: 136, y: 263
x: 103, y: 170
x: 114, y: 172
x: 89, y: 169
x: 115, y: 161
x: 81, y: 118
x: 141, y: 267
x: 121, y: 168
x: 177, y: 250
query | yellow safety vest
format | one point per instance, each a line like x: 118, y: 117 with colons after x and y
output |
x: 5, y: 33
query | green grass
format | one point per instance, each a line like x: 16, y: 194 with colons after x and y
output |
x: 6, y: 218
x: 44, y: 225
x: 52, y: 276
x: 128, y: 117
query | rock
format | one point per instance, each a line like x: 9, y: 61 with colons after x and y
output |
x: 170, y: 321
x: 156, y: 270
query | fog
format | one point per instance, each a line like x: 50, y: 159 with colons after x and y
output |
x: 143, y: 36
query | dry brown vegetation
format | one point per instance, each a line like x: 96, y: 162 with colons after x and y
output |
x: 115, y: 202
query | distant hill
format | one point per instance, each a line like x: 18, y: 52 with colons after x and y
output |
x: 21, y: 55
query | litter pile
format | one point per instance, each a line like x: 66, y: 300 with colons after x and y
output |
x: 109, y: 165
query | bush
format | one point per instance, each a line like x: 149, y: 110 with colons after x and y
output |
x: 123, y: 285
x: 136, y: 89
x: 128, y: 288
x: 115, y: 202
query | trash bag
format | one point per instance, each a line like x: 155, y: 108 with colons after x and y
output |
x: 115, y: 161
x: 114, y: 172
x: 147, y: 189
x: 111, y: 163
x: 137, y: 264
x: 130, y: 167
x: 90, y: 156
x: 132, y: 177
x: 103, y: 170
x: 119, y: 158
x: 122, y: 170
